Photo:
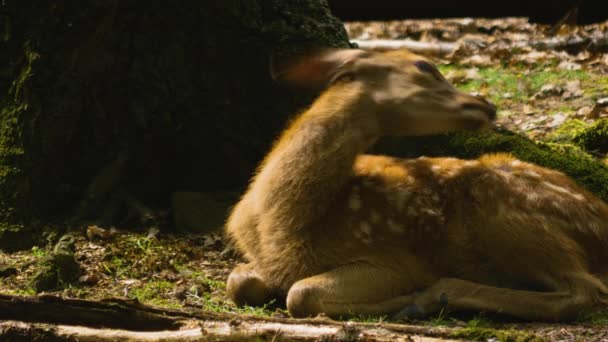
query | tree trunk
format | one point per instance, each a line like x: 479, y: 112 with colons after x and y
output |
x: 145, y: 97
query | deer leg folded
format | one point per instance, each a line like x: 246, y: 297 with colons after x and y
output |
x: 462, y: 295
x: 351, y: 289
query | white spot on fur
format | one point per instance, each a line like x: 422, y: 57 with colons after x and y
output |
x: 395, y: 227
x: 531, y: 174
x: 436, y: 168
x: 563, y: 190
x: 516, y: 162
x: 470, y: 163
x: 532, y: 196
x: 578, y: 197
x: 453, y: 173
x: 431, y: 212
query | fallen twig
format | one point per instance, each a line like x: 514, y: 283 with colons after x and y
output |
x: 128, y: 320
x: 571, y: 43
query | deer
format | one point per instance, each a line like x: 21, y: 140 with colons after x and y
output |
x: 337, y: 232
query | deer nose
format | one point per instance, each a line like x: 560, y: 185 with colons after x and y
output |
x: 480, y: 103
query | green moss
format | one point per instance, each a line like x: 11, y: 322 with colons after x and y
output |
x: 567, y: 131
x: 58, y: 269
x: 597, y: 316
x: 520, y: 82
x: 583, y: 168
x: 594, y: 138
x: 485, y: 334
x: 155, y: 292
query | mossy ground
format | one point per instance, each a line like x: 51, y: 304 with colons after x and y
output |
x: 512, y: 85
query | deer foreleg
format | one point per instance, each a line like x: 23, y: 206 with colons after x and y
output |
x: 462, y: 295
x: 352, y: 289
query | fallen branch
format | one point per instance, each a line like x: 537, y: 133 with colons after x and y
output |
x: 127, y: 320
x: 573, y: 44
x: 208, y: 331
x: 424, y: 48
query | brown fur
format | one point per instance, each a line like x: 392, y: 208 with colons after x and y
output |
x: 340, y: 232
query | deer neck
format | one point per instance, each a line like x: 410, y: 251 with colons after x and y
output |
x: 312, y: 161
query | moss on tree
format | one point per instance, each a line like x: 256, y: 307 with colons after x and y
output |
x: 570, y: 159
x: 594, y: 138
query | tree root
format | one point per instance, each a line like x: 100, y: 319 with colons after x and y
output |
x: 51, y: 318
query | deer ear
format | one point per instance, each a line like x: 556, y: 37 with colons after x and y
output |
x: 313, y: 69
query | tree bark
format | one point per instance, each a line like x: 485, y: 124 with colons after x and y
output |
x: 143, y: 97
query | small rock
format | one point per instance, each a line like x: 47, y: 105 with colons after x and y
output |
x: 557, y: 120
x: 548, y: 90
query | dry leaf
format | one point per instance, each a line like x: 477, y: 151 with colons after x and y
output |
x: 584, y: 111
x: 528, y: 110
x: 98, y: 232
x: 572, y: 90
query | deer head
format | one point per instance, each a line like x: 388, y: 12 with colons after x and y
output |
x: 405, y: 93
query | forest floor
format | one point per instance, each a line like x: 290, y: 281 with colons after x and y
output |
x: 540, y: 92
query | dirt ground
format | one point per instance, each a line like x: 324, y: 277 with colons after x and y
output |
x: 539, y: 90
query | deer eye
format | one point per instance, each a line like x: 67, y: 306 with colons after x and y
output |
x: 425, y: 66
x: 344, y: 77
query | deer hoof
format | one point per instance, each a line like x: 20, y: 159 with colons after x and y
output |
x: 412, y: 311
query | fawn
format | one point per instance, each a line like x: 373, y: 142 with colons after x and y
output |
x: 340, y: 232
